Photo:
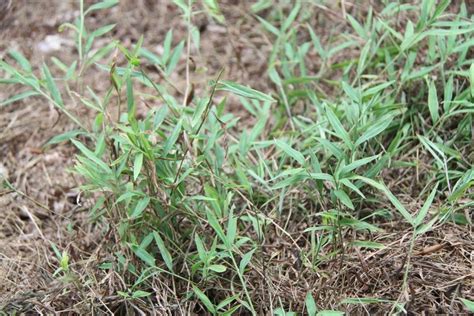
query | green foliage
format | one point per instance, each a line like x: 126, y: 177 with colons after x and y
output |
x: 179, y: 192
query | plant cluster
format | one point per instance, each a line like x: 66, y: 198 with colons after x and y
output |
x: 189, y: 200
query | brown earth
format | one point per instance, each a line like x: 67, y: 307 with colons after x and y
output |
x: 45, y: 207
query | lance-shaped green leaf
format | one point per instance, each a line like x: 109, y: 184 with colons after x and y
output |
x: 395, y: 202
x: 293, y: 153
x: 18, y: 97
x: 165, y: 254
x: 91, y: 156
x: 374, y: 129
x: 426, y: 206
x: 338, y: 128
x: 243, y: 91
x: 433, y: 103
x: 52, y: 87
x: 140, y: 207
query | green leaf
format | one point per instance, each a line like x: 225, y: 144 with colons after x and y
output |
x: 317, y: 43
x: 140, y: 207
x: 353, y: 94
x: 154, y: 59
x: 126, y: 196
x: 322, y: 176
x: 103, y: 30
x: 130, y: 97
x: 219, y: 268
x: 123, y: 294
x: 59, y: 64
x: 295, y: 178
x: 18, y: 97
x: 408, y: 36
x: 183, y: 5
x: 374, y: 129
x: 101, y: 5
x: 330, y: 313
x: 367, y: 244
x: 333, y: 148
x: 147, y: 241
x: 366, y: 300
x: 423, y: 228
x: 174, y: 58
x: 226, y: 302
x: 245, y: 261
x: 291, y: 17
x: 21, y: 60
x: 173, y: 137
x: 363, y: 58
x: 471, y: 78
x: 70, y: 71
x: 64, y: 262
x: 344, y: 198
x: 261, y: 5
x: 204, y: 299
x: 310, y: 304
x: 357, y: 27
x: 296, y: 155
x: 231, y: 229
x: 338, y: 128
x: 434, y: 150
x: 91, y: 156
x: 243, y: 91
x: 433, y: 103
x: 165, y: 254
x: 202, y: 253
x: 352, y: 186
x: 100, y: 54
x: 167, y: 46
x: 139, y: 293
x: 464, y: 183
x: 426, y: 206
x: 160, y: 116
x: 212, y: 8
x: 52, y: 87
x: 64, y: 137
x: 144, y: 255
x: 137, y: 165
x: 358, y: 163
x: 448, y: 94
x: 395, y: 202
x: 268, y: 26
x: 211, y: 218
x: 469, y: 304
x: 377, y: 88
x: 99, y: 32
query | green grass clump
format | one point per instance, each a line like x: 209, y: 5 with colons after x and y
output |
x: 192, y: 202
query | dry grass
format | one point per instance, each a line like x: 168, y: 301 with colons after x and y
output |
x: 47, y: 209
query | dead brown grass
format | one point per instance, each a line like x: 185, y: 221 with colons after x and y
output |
x: 47, y: 209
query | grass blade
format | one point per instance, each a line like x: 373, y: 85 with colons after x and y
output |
x: 243, y: 91
x: 296, y: 155
x: 426, y: 206
x: 19, y: 97
x: 165, y: 254
x: 395, y: 202
x: 433, y: 103
x: 338, y: 128
x: 52, y: 87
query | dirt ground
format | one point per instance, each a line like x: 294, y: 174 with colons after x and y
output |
x: 45, y: 208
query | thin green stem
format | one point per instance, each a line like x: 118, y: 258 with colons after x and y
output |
x: 81, y: 29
